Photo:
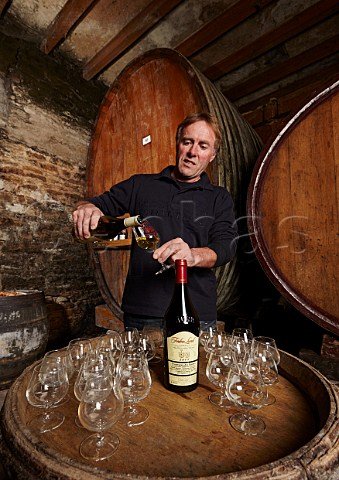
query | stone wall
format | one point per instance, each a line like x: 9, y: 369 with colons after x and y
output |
x: 47, y: 113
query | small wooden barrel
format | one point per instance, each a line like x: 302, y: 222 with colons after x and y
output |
x: 23, y: 332
x: 135, y: 133
x: 294, y: 209
x: 186, y: 436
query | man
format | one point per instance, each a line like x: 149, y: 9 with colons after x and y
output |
x: 195, y: 221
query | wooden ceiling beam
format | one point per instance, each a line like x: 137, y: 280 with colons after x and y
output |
x: 287, y: 30
x: 321, y: 77
x: 68, y: 16
x: 283, y: 69
x: 3, y: 4
x: 140, y: 24
x: 220, y: 25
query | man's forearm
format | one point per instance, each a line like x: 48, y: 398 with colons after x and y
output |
x: 204, y: 257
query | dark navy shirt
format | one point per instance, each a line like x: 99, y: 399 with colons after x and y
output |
x: 198, y: 212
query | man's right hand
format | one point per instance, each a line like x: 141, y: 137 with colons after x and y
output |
x: 85, y: 218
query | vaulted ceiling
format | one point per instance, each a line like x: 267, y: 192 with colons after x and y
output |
x: 252, y: 50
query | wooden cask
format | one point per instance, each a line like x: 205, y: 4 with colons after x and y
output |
x: 135, y: 133
x: 293, y: 209
x: 186, y: 436
x: 23, y: 332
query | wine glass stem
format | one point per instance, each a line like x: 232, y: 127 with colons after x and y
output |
x: 99, y: 440
x: 164, y: 267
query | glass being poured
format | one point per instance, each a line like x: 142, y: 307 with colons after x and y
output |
x: 148, y: 238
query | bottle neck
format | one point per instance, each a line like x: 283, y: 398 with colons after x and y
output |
x: 180, y: 271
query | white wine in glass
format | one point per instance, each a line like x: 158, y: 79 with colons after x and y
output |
x: 148, y: 238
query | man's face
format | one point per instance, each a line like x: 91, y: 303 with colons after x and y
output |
x: 195, y: 151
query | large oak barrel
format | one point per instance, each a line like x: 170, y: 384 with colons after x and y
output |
x: 135, y: 133
x: 190, y: 438
x: 294, y: 209
x: 23, y: 332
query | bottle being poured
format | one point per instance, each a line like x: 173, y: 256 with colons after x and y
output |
x: 108, y: 228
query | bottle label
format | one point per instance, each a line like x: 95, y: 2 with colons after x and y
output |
x: 183, y: 351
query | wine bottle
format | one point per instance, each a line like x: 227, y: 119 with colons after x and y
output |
x: 181, y: 337
x: 108, y: 227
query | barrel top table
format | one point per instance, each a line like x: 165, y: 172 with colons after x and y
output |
x: 186, y: 436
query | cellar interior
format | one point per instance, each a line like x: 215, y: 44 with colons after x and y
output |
x: 58, y: 59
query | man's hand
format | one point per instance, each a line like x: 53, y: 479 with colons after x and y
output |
x: 177, y: 249
x: 85, y: 218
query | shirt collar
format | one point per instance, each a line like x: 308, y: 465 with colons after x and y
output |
x: 203, y: 183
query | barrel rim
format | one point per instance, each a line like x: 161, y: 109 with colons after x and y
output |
x: 324, y: 444
x: 326, y: 320
x: 21, y: 292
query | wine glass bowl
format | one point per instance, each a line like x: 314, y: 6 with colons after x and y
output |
x: 95, y: 364
x: 135, y: 381
x: 63, y: 356
x: 155, y: 333
x: 249, y: 393
x: 261, y: 343
x: 264, y: 360
x: 100, y: 408
x: 206, y: 331
x: 147, y: 344
x: 78, y: 348
x: 130, y: 338
x: 46, y: 388
x: 241, y: 342
x: 217, y: 369
x: 146, y: 236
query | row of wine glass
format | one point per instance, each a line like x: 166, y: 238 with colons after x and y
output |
x: 109, y: 375
x: 242, y: 367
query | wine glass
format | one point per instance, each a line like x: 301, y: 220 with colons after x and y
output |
x: 112, y: 343
x: 241, y: 342
x: 78, y: 348
x: 261, y: 343
x: 264, y: 360
x: 216, y: 340
x: 206, y: 331
x: 135, y: 381
x: 243, y: 333
x: 249, y: 393
x: 148, y: 238
x: 130, y: 338
x: 100, y: 408
x: 95, y: 363
x: 217, y: 368
x: 46, y: 388
x: 155, y: 333
x: 147, y: 344
x: 63, y: 355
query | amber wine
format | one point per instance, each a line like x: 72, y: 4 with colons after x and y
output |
x: 150, y: 242
x: 181, y: 337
